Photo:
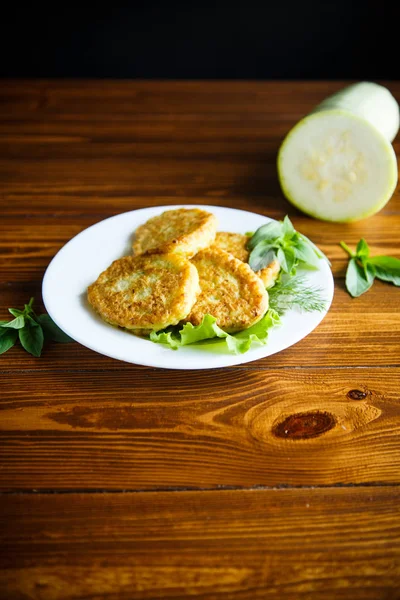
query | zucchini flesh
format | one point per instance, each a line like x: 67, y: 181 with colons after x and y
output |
x: 337, y: 163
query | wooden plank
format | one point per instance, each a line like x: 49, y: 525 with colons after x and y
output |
x: 25, y: 146
x: 321, y: 545
x: 92, y: 128
x: 29, y: 242
x: 341, y: 340
x: 156, y: 429
x: 182, y: 97
x: 356, y: 332
x: 105, y: 202
x: 177, y: 97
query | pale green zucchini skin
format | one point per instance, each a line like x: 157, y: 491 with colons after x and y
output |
x: 337, y: 163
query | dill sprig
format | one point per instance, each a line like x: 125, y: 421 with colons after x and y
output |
x: 293, y: 292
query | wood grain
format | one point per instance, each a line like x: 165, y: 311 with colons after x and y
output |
x: 315, y: 544
x: 36, y: 238
x: 178, y: 429
x: 354, y: 333
x: 267, y: 439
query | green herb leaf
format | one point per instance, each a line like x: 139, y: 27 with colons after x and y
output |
x: 386, y: 268
x: 282, y: 260
x: 287, y: 228
x: 29, y: 319
x: 291, y: 248
x: 266, y: 233
x: 262, y: 255
x: 8, y: 337
x: 15, y: 312
x: 385, y: 275
x: 291, y: 261
x: 270, y: 257
x: 347, y: 249
x: 317, y: 251
x: 16, y: 323
x: 31, y: 338
x: 362, y: 249
x: 386, y: 262
x: 294, y: 292
x: 31, y: 329
x: 28, y: 307
x: 306, y: 254
x: 52, y: 331
x: 363, y: 268
x: 358, y: 280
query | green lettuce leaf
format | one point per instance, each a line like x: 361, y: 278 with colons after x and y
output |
x: 170, y: 338
x: 241, y: 342
x: 208, y: 329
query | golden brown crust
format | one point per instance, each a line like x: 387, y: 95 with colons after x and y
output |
x: 181, y: 231
x: 230, y: 291
x: 145, y: 293
x: 269, y: 274
x: 236, y: 244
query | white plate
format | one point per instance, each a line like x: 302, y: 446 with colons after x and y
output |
x: 84, y: 257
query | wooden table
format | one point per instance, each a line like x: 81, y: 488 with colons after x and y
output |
x: 120, y: 481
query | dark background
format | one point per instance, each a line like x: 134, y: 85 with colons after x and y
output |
x: 194, y: 40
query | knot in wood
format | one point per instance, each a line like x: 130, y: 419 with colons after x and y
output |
x: 356, y: 395
x: 303, y: 426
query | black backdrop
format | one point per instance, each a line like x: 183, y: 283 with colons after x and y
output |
x: 255, y: 40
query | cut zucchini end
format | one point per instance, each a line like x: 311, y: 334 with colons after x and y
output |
x: 335, y: 166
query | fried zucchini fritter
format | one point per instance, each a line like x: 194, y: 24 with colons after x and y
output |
x: 235, y: 243
x: 181, y: 231
x: 145, y: 293
x: 230, y: 291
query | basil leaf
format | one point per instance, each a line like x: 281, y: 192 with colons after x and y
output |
x: 386, y: 268
x: 28, y: 307
x: 15, y: 312
x: 269, y: 257
x: 31, y: 338
x: 306, y: 254
x: 32, y: 321
x: 385, y: 275
x: 290, y: 256
x: 260, y: 257
x: 266, y: 233
x: 362, y: 249
x: 363, y: 263
x: 317, y: 251
x: 8, y: 339
x: 287, y: 228
x: 282, y: 260
x: 387, y: 262
x: 16, y: 323
x: 357, y: 280
x: 52, y: 331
